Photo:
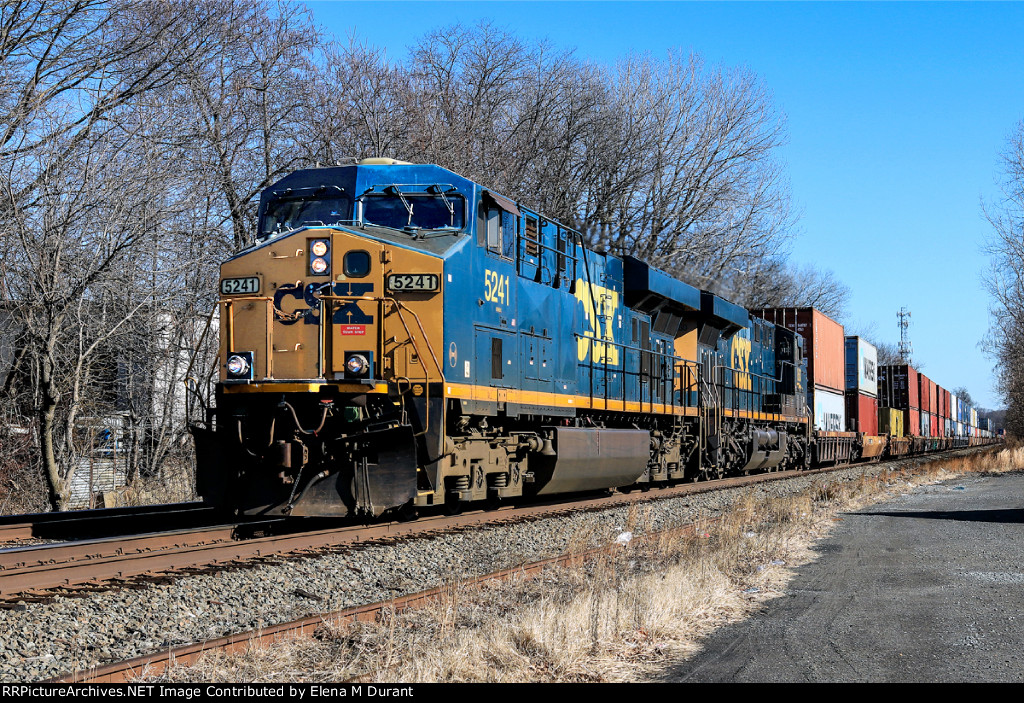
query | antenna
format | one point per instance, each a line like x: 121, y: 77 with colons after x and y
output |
x: 906, y: 348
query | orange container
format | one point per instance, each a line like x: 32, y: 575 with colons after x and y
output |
x: 824, y: 343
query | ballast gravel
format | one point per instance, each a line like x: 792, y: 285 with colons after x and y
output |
x: 44, y: 640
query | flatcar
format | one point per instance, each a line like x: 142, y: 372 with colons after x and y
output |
x: 400, y: 336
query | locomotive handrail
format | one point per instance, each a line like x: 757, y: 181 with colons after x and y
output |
x: 667, y: 398
x: 399, y: 307
x: 426, y: 377
x: 723, y: 386
x: 402, y: 306
x: 572, y: 235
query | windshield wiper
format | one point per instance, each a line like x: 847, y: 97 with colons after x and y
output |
x: 436, y: 189
x: 395, y: 190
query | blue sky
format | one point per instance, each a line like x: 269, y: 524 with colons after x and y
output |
x: 896, y: 114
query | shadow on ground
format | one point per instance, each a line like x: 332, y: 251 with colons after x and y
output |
x: 1002, y: 515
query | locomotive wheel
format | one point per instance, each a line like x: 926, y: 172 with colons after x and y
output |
x: 453, y: 504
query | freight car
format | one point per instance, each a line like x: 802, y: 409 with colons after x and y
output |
x: 401, y: 336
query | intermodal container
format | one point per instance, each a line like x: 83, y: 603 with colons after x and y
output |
x: 953, y: 408
x: 925, y: 393
x: 912, y: 422
x: 861, y: 412
x: 829, y: 410
x: 926, y: 424
x: 890, y: 422
x: 947, y: 404
x: 861, y: 366
x: 898, y: 387
x: 823, y: 343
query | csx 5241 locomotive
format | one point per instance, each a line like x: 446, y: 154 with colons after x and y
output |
x: 399, y: 335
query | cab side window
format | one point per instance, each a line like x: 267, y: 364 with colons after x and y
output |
x: 493, y: 227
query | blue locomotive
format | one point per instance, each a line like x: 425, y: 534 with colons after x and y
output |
x: 401, y: 336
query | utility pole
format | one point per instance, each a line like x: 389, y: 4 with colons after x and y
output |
x: 906, y: 348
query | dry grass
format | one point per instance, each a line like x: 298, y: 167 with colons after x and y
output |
x: 620, y: 618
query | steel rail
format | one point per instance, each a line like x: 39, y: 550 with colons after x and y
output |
x: 30, y: 569
x: 157, y: 663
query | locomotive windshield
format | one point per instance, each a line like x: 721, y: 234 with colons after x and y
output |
x: 288, y: 213
x: 421, y: 210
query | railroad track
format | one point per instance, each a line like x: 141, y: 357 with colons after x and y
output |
x: 155, y: 664
x: 87, y: 647
x: 39, y: 572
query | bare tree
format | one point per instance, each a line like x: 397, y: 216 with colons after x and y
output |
x: 80, y: 224
x: 72, y: 198
x: 888, y: 354
x: 776, y: 283
x: 364, y: 106
x: 1005, y: 281
x: 699, y: 191
x: 963, y: 395
x: 244, y: 102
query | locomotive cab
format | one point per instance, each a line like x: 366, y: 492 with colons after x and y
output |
x: 331, y: 326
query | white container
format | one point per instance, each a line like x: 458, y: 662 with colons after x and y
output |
x: 861, y: 366
x: 829, y: 410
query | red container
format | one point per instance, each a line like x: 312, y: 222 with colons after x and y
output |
x: 861, y: 413
x: 824, y: 343
x: 898, y: 387
x: 948, y: 401
x: 912, y: 422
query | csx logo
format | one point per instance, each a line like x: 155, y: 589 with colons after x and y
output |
x: 741, y: 362
x: 599, y: 306
x: 347, y: 312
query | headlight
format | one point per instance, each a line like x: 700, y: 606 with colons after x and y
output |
x: 319, y: 247
x: 318, y: 265
x: 238, y: 365
x: 357, y: 365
